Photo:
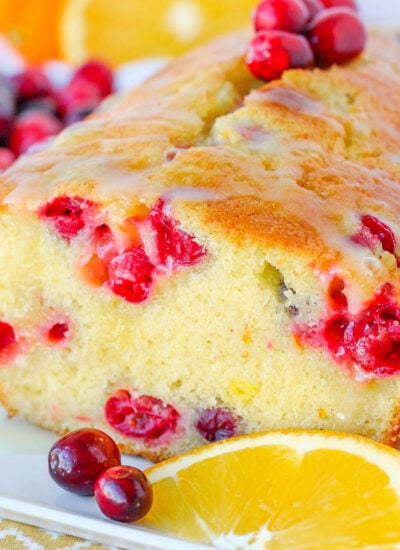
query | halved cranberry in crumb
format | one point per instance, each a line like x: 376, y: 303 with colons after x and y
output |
x: 373, y: 339
x: 334, y: 333
x: 216, y: 424
x: 7, y: 335
x: 282, y: 15
x: 131, y: 275
x: 174, y: 245
x: 67, y: 214
x: 340, y: 3
x: 58, y: 332
x: 369, y: 339
x: 33, y: 127
x: 99, y: 74
x: 142, y: 417
x: 375, y: 231
x: 270, y: 53
x: 336, y: 35
x: 382, y: 231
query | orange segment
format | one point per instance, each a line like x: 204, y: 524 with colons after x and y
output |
x: 32, y: 27
x: 124, y: 29
x: 116, y: 31
x: 281, y: 490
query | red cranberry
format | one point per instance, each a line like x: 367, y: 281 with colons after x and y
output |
x: 80, y: 95
x: 369, y: 339
x: 334, y: 333
x: 58, y: 332
x: 7, y: 157
x: 47, y: 104
x: 99, y: 74
x: 336, y: 35
x: 340, y: 3
x: 374, y: 230
x: 175, y: 246
x: 373, y: 340
x: 270, y: 53
x: 131, y: 275
x: 7, y: 336
x: 314, y: 7
x: 282, y: 15
x: 67, y: 214
x: 217, y: 424
x: 7, y: 110
x: 142, y: 417
x: 123, y: 493
x: 31, y: 84
x: 32, y: 127
x: 78, y: 458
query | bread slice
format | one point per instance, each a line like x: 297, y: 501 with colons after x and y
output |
x: 211, y: 255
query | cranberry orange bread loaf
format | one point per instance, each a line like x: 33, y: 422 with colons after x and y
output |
x: 210, y: 256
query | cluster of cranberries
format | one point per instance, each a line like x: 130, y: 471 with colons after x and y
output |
x: 302, y: 34
x: 129, y: 272
x: 87, y: 462
x: 32, y: 109
x: 148, y: 418
x: 369, y: 339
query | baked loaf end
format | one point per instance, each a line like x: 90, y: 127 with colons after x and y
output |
x: 209, y: 256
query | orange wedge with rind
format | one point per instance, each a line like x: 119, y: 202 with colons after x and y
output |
x: 116, y: 31
x: 281, y: 490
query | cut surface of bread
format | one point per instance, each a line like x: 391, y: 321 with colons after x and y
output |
x: 210, y: 255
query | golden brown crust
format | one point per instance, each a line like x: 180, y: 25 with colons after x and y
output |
x: 310, y: 151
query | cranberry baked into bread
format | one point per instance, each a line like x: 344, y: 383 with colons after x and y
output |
x: 209, y: 256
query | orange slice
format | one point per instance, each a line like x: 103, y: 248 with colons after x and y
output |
x: 32, y: 27
x: 116, y: 31
x: 281, y: 490
x: 124, y: 29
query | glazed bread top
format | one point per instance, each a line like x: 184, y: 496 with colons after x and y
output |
x: 292, y: 165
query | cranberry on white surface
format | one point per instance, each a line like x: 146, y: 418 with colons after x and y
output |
x: 77, y: 459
